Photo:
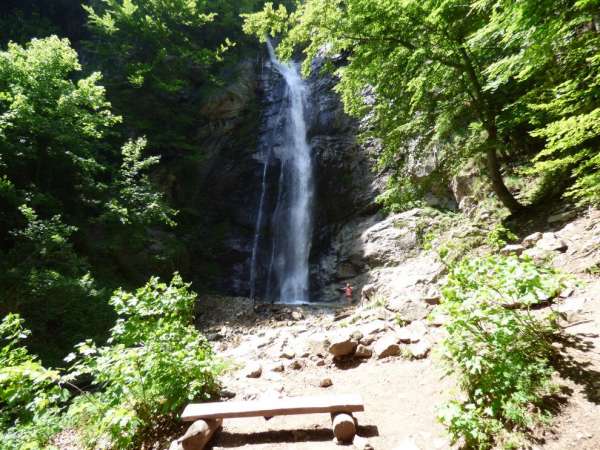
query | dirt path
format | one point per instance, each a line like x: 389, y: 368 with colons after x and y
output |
x: 400, y: 402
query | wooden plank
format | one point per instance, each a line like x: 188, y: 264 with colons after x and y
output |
x: 274, y: 407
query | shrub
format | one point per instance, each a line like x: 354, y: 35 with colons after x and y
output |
x: 30, y: 396
x: 155, y: 363
x: 499, y: 353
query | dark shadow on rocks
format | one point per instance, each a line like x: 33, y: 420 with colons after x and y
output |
x: 231, y: 440
x: 348, y: 362
x: 577, y: 370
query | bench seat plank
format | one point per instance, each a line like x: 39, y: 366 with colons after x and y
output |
x: 274, y: 407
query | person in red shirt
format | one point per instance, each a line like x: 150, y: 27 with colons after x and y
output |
x: 348, y: 292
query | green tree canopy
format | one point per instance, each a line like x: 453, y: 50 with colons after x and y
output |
x: 442, y: 72
x: 60, y: 179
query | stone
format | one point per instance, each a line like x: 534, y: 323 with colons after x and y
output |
x: 419, y: 350
x: 356, y: 335
x: 571, y: 308
x: 433, y: 297
x: 363, y: 352
x: 374, y: 327
x: 512, y: 249
x: 297, y: 315
x: 404, y: 334
x: 318, y: 344
x: 367, y: 292
x: 532, y: 239
x: 409, y: 308
x: 287, y: 353
x: 367, y: 340
x: 296, y: 364
x: 341, y: 345
x: 566, y: 292
x: 418, y: 329
x: 551, y: 242
x: 387, y: 346
x: 325, y: 383
x: 276, y: 367
x: 252, y: 370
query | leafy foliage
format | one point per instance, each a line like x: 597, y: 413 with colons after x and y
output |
x: 30, y: 397
x: 158, y: 56
x: 60, y: 181
x: 155, y: 363
x: 500, y: 353
x: 446, y: 80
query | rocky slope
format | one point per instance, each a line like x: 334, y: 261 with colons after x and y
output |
x: 383, y: 347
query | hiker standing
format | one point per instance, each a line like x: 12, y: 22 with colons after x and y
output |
x: 348, y: 292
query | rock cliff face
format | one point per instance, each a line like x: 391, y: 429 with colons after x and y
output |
x: 219, y: 192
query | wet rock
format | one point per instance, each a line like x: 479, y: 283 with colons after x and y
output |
x: 363, y: 352
x: 387, y: 346
x: 297, y: 315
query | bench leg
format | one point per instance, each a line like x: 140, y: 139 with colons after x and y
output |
x: 198, y: 434
x: 344, y: 427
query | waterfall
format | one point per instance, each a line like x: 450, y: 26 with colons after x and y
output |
x: 287, y: 268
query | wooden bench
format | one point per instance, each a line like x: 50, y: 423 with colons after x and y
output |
x: 340, y: 407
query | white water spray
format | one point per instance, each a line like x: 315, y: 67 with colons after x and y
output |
x: 288, y: 268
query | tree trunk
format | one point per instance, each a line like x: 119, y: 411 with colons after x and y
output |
x: 500, y: 188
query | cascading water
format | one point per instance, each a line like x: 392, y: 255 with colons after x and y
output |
x: 287, y: 268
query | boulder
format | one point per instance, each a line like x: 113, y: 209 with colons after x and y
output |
x: 296, y: 364
x: 325, y: 383
x: 512, y: 249
x: 363, y: 352
x: 532, y: 239
x: 387, y: 346
x: 420, y: 349
x: 551, y: 242
x: 374, y: 327
x: 341, y: 345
